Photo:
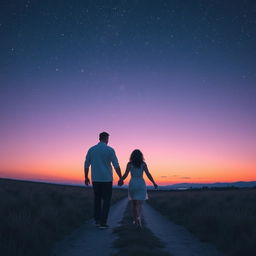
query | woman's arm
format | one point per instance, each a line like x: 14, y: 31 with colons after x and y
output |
x: 122, y: 178
x: 149, y: 176
x: 128, y: 167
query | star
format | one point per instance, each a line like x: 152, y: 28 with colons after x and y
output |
x: 27, y: 4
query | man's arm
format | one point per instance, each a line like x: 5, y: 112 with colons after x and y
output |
x: 115, y: 163
x: 86, y: 178
x: 118, y: 171
x: 87, y: 164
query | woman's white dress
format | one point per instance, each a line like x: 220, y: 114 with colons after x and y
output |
x: 137, y: 187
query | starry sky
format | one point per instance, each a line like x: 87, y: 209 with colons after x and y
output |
x: 176, y: 79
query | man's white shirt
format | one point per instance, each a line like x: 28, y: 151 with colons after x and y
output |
x: 100, y: 157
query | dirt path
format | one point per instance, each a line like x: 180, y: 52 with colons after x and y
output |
x: 89, y: 240
x: 178, y: 241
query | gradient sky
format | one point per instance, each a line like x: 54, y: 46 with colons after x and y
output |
x: 176, y: 79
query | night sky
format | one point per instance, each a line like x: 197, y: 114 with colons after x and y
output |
x: 176, y: 79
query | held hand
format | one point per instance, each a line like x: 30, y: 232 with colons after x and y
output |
x: 156, y: 186
x: 87, y: 181
x: 120, y: 182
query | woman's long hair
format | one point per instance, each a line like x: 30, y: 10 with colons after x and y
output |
x: 136, y: 158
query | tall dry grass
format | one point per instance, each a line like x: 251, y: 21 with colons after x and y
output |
x: 33, y: 216
x: 225, y: 218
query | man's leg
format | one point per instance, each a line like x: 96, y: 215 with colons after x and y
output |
x: 106, y: 196
x: 97, y: 200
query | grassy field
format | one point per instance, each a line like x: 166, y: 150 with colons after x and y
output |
x: 225, y: 218
x: 134, y: 241
x: 33, y: 216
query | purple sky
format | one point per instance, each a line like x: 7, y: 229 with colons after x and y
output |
x: 175, y: 78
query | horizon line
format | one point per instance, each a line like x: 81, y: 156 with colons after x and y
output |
x: 81, y: 184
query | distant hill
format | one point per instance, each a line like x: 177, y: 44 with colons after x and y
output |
x: 177, y: 186
x: 238, y: 184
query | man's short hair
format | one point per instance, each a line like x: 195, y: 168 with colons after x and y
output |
x: 103, y: 136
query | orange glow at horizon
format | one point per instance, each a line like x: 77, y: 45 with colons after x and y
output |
x: 163, y: 175
x: 173, y: 159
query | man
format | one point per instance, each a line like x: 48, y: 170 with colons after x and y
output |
x: 100, y: 157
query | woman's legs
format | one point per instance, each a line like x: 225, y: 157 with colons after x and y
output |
x: 139, y: 210
x: 139, y: 207
x: 134, y: 210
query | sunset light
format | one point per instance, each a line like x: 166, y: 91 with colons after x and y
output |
x: 181, y: 92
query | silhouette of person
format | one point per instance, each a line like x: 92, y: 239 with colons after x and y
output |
x: 100, y: 157
x: 137, y: 191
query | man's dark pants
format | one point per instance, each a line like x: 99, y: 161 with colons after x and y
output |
x: 102, y: 198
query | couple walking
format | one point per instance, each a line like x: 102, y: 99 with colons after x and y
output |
x: 100, y: 157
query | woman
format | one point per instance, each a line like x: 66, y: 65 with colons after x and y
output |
x: 137, y: 191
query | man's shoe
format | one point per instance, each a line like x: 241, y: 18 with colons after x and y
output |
x: 104, y: 226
